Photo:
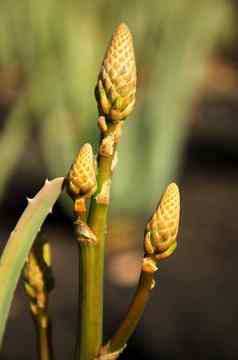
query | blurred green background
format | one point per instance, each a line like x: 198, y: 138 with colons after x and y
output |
x: 50, y: 53
x: 184, y: 128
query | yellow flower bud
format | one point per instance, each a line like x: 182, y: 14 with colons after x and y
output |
x: 116, y: 87
x: 162, y: 228
x: 38, y: 279
x: 81, y: 179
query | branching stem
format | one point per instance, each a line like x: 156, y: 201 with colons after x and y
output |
x: 91, y: 270
x: 136, y: 309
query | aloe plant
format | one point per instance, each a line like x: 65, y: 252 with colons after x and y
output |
x: 115, y: 94
x: 88, y: 183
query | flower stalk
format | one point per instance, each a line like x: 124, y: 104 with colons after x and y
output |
x: 160, y: 243
x: 92, y: 258
x: 134, y: 314
x: 115, y: 95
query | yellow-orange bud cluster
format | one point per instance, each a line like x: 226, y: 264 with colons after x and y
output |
x: 116, y: 87
x: 38, y: 279
x: 82, y: 174
x: 162, y: 229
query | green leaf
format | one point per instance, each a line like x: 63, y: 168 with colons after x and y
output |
x: 20, y: 242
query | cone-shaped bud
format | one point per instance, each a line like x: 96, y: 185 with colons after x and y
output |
x: 116, y: 87
x: 162, y: 228
x: 81, y: 180
x: 38, y: 278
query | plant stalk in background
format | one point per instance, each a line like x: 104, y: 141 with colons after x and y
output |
x: 38, y: 282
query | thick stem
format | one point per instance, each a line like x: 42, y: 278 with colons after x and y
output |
x: 88, y: 302
x: 44, y: 345
x: 91, y: 271
x: 136, y: 309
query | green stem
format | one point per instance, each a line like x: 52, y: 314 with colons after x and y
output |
x: 136, y: 309
x: 44, y: 344
x: 88, y: 304
x: 91, y: 272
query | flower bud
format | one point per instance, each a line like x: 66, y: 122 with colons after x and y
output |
x: 116, y: 87
x: 81, y: 180
x: 38, y: 277
x: 162, y: 228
